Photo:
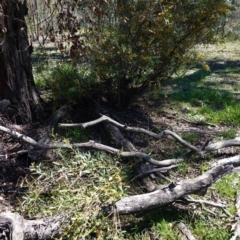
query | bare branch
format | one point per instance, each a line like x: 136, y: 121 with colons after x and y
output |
x: 22, y: 137
x: 180, y: 140
x: 231, y: 160
x: 212, y: 204
x: 209, y: 148
x: 171, y: 192
x: 90, y: 144
x: 187, y: 235
x: 15, y: 227
x: 223, y: 144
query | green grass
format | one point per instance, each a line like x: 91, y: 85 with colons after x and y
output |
x: 204, y: 228
x: 214, y: 105
x: 78, y: 185
x: 207, y: 96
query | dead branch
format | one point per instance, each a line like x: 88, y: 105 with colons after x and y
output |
x: 15, y: 227
x: 90, y: 144
x: 185, y: 232
x: 209, y: 148
x: 171, y: 192
x: 235, y: 161
x: 22, y: 137
x: 104, y: 118
x: 223, y: 144
x: 199, y: 201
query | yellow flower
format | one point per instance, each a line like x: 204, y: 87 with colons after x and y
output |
x: 206, y: 67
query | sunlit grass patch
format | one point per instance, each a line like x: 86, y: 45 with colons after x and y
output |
x: 204, y: 227
x: 78, y: 186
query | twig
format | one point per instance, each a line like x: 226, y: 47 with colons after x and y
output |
x: 185, y: 231
x: 212, y: 204
x: 217, y: 205
x: 13, y: 154
x: 154, y: 170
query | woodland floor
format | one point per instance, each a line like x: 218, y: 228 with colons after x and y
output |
x: 174, y: 105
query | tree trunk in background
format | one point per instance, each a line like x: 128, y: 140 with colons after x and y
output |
x: 16, y: 79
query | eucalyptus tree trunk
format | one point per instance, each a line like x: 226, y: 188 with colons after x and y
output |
x: 16, y: 79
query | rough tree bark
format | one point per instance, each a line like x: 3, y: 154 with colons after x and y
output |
x: 16, y: 79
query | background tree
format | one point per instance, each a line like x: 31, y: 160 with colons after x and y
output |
x: 16, y: 79
x: 129, y: 45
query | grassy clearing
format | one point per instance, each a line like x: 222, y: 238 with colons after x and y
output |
x: 207, y: 96
x: 80, y: 183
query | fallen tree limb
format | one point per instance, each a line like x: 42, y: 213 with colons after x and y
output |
x: 171, y: 192
x: 185, y: 232
x: 208, y: 148
x: 235, y: 161
x: 223, y: 144
x: 15, y: 227
x: 90, y: 144
x: 104, y: 118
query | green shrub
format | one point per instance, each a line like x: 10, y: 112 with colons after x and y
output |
x: 71, y: 85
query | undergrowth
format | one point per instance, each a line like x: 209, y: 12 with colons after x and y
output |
x: 78, y: 185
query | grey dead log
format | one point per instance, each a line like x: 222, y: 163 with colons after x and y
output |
x: 171, y: 192
x: 14, y: 227
x: 235, y: 160
x: 185, y: 232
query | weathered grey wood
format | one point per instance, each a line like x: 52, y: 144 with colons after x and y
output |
x: 223, y: 144
x: 185, y: 232
x: 14, y: 227
x: 171, y: 192
x: 209, y: 148
x: 235, y: 160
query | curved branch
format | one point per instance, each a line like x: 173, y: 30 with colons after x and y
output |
x: 208, y: 148
x: 223, y: 144
x: 90, y: 144
x: 104, y: 118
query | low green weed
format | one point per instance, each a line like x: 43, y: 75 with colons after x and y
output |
x: 228, y: 186
x: 190, y: 137
x: 204, y: 227
x: 228, y: 134
x: 78, y: 134
x: 77, y: 186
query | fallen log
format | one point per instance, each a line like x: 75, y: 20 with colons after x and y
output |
x: 14, y: 227
x: 171, y: 192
